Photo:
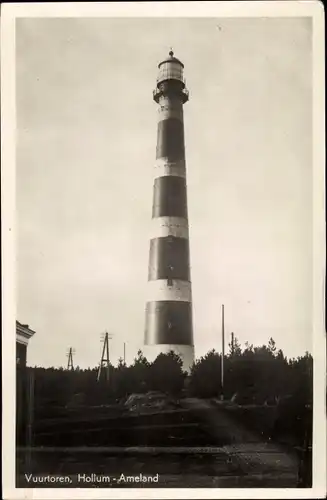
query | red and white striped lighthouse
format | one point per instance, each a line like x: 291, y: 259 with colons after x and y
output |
x: 169, y: 300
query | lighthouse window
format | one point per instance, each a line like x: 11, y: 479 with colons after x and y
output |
x: 171, y: 70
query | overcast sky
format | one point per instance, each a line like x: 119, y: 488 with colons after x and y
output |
x: 85, y: 151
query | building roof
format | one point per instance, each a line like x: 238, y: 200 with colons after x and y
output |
x: 171, y: 58
x: 21, y: 324
x: 23, y: 333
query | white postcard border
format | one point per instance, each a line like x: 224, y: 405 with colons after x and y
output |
x: 10, y: 12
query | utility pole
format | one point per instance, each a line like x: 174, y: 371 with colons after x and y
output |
x: 70, y: 365
x: 222, y: 349
x: 105, y: 359
x: 124, y: 353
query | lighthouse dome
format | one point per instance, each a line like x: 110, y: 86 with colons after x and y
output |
x: 171, y: 59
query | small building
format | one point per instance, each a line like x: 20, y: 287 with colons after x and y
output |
x: 23, y: 335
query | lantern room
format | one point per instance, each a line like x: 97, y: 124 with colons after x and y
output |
x: 171, y: 79
x: 170, y: 69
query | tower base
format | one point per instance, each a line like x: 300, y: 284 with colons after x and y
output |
x: 186, y: 352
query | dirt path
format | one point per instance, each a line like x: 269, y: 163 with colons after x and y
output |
x: 246, y: 449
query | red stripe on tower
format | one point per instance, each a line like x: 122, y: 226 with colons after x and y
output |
x: 168, y: 323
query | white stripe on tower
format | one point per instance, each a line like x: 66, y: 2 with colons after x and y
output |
x: 169, y: 226
x: 163, y: 167
x: 186, y: 352
x: 176, y: 290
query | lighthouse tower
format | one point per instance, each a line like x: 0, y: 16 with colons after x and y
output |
x: 168, y: 324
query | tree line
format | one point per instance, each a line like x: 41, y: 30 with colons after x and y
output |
x: 272, y: 394
x: 252, y: 375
